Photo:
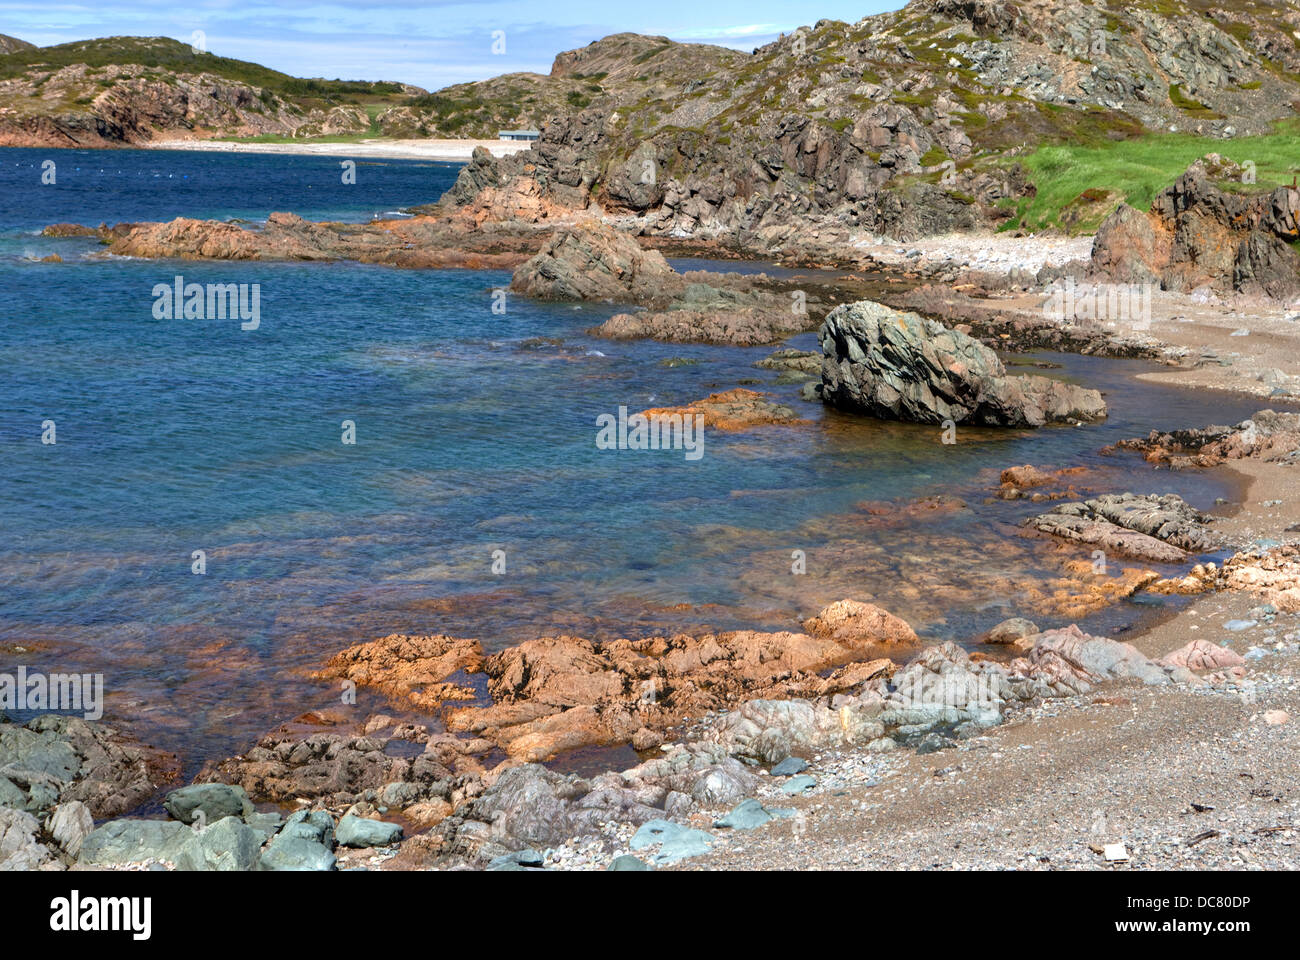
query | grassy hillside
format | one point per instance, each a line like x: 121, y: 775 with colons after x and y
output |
x: 165, y: 54
x: 1079, y: 185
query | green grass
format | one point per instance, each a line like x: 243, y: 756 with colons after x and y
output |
x: 1137, y: 169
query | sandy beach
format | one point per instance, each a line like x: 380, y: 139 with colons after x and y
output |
x: 379, y: 148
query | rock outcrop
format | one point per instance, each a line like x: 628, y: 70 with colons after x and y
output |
x: 592, y: 261
x: 1199, y: 235
x: 56, y: 759
x: 1268, y: 435
x: 732, y: 410
x: 1159, y: 529
x: 712, y: 321
x: 555, y: 694
x: 901, y: 366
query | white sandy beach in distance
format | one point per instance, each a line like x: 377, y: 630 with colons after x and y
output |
x: 452, y: 150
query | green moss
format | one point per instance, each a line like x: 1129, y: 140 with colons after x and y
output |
x: 933, y: 157
x: 1184, y: 102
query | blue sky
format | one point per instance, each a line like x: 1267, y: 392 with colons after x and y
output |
x: 432, y: 43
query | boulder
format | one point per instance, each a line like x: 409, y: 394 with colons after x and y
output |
x: 213, y: 801
x: 69, y: 825
x: 901, y: 366
x: 227, y: 845
x: 854, y: 623
x: 296, y: 853
x: 19, y: 849
x: 591, y: 261
x: 1011, y: 631
x: 133, y: 841
x: 354, y: 831
x: 1202, y: 655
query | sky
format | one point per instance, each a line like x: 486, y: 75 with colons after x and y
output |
x: 431, y: 43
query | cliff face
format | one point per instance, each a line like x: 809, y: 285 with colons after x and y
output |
x: 904, y: 123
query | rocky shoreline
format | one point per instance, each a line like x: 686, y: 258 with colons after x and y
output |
x: 740, y: 736
x: 747, y: 739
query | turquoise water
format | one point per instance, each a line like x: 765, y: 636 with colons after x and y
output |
x: 474, y: 434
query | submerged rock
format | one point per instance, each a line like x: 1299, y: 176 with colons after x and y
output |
x: 732, y: 410
x: 1161, y: 529
x: 901, y: 366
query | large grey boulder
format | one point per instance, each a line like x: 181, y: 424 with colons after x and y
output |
x: 901, y: 366
x: 133, y: 841
x: 215, y: 801
x: 19, y: 849
x: 227, y: 845
x: 69, y: 825
x: 296, y: 853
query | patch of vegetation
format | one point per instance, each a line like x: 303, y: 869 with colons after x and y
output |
x: 1135, y: 170
x: 1184, y: 102
x: 164, y: 54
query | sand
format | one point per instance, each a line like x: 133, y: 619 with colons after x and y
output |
x: 450, y: 150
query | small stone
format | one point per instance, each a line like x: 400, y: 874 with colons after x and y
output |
x: 789, y: 767
x: 800, y: 784
x: 748, y: 815
x: 627, y: 862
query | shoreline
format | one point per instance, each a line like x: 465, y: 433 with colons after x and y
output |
x: 452, y: 151
x: 1074, y: 746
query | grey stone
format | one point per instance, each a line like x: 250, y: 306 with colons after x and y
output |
x: 216, y: 801
x: 748, y: 815
x: 314, y: 825
x: 688, y: 843
x: 69, y: 825
x: 789, y: 767
x: 19, y: 849
x: 627, y: 862
x: 130, y: 841
x: 800, y: 784
x: 656, y: 831
x: 227, y: 845
x: 295, y: 853
x: 354, y: 831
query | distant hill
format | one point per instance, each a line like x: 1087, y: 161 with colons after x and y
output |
x: 10, y: 44
x: 134, y: 89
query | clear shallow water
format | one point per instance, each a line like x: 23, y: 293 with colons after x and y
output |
x: 475, y: 433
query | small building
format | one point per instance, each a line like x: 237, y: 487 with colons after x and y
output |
x: 518, y: 134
